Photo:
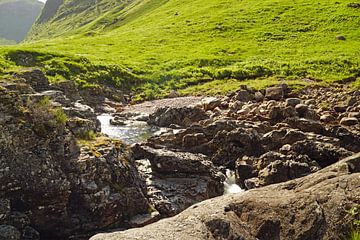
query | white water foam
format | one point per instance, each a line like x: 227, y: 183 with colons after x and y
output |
x: 230, y: 185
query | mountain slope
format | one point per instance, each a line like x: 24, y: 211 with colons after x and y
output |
x: 204, y: 45
x: 16, y: 18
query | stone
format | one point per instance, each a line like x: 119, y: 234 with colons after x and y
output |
x: 292, y: 101
x: 301, y: 109
x: 244, y: 96
x: 182, y: 116
x: 35, y: 78
x: 173, y: 94
x: 340, y: 108
x: 8, y: 232
x: 327, y: 118
x: 318, y: 203
x: 259, y: 97
x: 340, y: 37
x: 349, y: 121
x: 274, y: 93
x: 211, y: 103
x: 354, y: 115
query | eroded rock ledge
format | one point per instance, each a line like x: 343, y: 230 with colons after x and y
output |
x: 312, y: 207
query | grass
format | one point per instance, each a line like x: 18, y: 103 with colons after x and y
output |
x: 200, y: 46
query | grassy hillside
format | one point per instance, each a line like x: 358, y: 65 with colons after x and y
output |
x: 198, y: 46
x: 17, y: 17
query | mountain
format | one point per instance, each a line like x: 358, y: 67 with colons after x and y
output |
x: 195, y: 46
x: 17, y: 17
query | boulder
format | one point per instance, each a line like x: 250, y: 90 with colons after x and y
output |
x: 244, y: 96
x: 292, y: 101
x: 176, y: 180
x: 182, y: 116
x: 311, y: 207
x: 274, y: 93
x: 211, y: 103
x: 35, y: 78
x: 349, y: 121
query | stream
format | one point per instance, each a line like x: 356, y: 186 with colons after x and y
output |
x: 138, y: 131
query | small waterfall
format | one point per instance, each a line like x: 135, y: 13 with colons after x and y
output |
x: 230, y: 185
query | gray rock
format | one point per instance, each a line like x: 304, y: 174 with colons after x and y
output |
x: 292, y: 101
x: 263, y: 213
x: 8, y: 232
x: 274, y: 93
x: 244, y: 96
x: 349, y: 121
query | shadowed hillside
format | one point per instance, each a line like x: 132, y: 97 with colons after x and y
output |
x: 16, y: 18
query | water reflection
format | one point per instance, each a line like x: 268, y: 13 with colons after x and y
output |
x: 132, y: 132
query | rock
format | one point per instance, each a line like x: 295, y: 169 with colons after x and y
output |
x: 340, y: 37
x: 182, y: 116
x: 302, y: 109
x: 173, y: 94
x: 180, y: 180
x: 35, y: 78
x: 327, y: 118
x: 292, y: 101
x: 244, y: 96
x: 259, y: 97
x: 243, y: 171
x: 306, y: 125
x: 274, y: 93
x: 354, y: 115
x: 349, y: 121
x: 29, y: 233
x: 57, y: 187
x: 318, y: 203
x: 211, y: 103
x: 117, y: 121
x: 340, y: 108
x: 191, y: 140
x: 68, y: 88
x: 324, y: 154
x: 8, y: 232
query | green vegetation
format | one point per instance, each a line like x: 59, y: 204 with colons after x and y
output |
x: 355, y: 223
x: 46, y: 117
x: 16, y: 19
x: 198, y: 46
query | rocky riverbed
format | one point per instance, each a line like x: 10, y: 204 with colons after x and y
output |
x: 77, y: 162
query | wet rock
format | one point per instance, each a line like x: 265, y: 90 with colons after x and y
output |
x: 117, y: 121
x: 29, y: 233
x: 349, y: 121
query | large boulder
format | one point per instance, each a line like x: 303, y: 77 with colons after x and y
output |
x: 182, y: 116
x: 176, y: 180
x: 312, y: 207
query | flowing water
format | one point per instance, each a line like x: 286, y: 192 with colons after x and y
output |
x: 230, y: 185
x: 138, y: 131
x: 132, y: 132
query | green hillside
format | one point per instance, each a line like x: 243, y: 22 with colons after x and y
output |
x: 17, y: 17
x: 208, y: 46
